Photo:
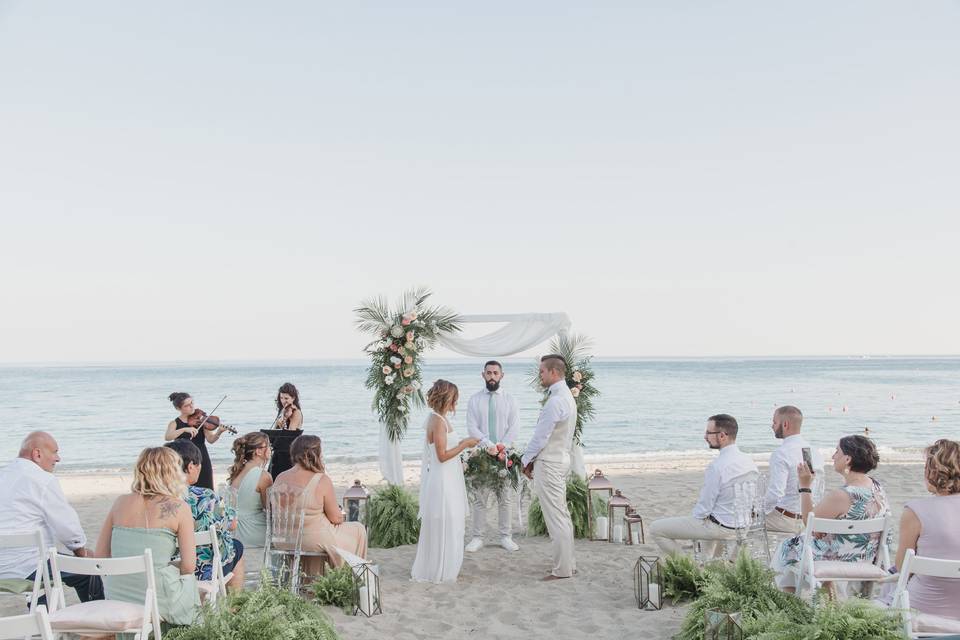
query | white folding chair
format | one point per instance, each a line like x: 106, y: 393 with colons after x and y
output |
x: 41, y: 581
x: 284, y: 544
x: 915, y: 623
x: 30, y: 625
x: 869, y: 570
x: 217, y: 585
x: 105, y: 616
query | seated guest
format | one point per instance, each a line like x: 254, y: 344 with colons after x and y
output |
x: 931, y: 527
x: 713, y: 517
x: 323, y: 526
x: 207, y: 509
x: 32, y: 499
x: 860, y: 498
x: 782, y: 502
x: 247, y: 476
x: 154, y: 516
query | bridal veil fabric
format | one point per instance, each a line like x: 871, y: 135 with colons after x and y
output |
x: 520, y: 331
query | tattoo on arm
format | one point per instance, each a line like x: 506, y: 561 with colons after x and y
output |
x: 168, y: 507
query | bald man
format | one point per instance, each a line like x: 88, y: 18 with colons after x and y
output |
x: 782, y: 501
x: 32, y: 499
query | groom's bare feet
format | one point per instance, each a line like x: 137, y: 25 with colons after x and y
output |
x: 552, y: 577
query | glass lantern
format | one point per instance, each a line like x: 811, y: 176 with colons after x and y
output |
x: 617, y: 511
x: 646, y: 583
x: 598, y: 523
x: 355, y: 503
x: 633, y: 521
x: 366, y: 589
x: 721, y: 625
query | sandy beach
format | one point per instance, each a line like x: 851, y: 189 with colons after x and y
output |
x: 499, y: 593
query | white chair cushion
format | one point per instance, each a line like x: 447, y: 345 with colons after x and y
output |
x: 98, y: 615
x: 839, y: 570
x: 927, y: 623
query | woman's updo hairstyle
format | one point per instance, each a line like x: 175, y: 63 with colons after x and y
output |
x: 178, y: 398
x: 307, y: 452
x: 942, y: 469
x: 442, y: 396
x: 244, y: 449
x: 863, y: 453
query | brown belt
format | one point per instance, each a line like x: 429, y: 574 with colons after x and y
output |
x: 789, y: 514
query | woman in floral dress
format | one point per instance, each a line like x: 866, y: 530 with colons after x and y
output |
x: 860, y: 498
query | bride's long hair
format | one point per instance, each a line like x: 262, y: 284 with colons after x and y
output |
x: 442, y: 396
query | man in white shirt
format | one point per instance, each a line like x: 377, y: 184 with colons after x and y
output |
x: 32, y: 499
x: 782, y: 500
x: 546, y: 461
x: 714, y: 516
x: 492, y: 417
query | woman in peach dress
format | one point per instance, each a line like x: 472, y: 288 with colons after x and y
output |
x: 323, y: 525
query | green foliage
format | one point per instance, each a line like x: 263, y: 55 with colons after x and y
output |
x: 680, y: 578
x: 266, y: 613
x: 335, y: 588
x: 576, y: 505
x: 392, y: 518
x: 487, y: 473
x: 852, y: 619
x: 401, y: 336
x: 575, y: 350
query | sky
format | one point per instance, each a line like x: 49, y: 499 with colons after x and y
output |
x: 229, y: 180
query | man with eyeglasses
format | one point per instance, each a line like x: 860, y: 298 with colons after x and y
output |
x: 713, y: 519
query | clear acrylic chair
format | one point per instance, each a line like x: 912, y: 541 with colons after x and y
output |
x: 284, y: 552
x: 751, y: 522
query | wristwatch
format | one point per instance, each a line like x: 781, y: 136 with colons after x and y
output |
x: 804, y: 490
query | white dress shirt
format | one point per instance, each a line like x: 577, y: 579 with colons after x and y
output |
x: 782, y: 485
x: 557, y: 409
x: 507, y: 416
x: 32, y: 499
x: 717, y: 496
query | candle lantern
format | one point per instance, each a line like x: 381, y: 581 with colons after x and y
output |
x: 617, y: 511
x: 599, y: 525
x: 355, y: 502
x: 366, y: 589
x: 721, y: 625
x: 646, y: 583
x: 633, y: 521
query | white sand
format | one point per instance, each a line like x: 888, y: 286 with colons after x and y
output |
x: 499, y: 593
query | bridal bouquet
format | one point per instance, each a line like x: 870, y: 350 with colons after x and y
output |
x: 484, y: 471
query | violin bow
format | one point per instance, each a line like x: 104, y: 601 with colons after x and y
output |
x: 200, y: 426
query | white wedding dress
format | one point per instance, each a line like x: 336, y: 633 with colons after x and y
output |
x: 443, y: 515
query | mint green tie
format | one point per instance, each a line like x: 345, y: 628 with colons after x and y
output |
x: 492, y: 419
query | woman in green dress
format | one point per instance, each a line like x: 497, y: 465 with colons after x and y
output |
x: 249, y: 480
x: 154, y: 516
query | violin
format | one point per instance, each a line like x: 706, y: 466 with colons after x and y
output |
x: 199, y: 419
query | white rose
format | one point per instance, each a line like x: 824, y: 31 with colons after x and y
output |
x: 395, y: 359
x: 396, y: 331
x: 389, y: 379
x: 502, y: 473
x: 575, y: 392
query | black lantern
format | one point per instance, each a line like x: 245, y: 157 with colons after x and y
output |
x: 646, y: 583
x: 355, y: 503
x: 721, y: 625
x: 598, y: 523
x: 366, y: 589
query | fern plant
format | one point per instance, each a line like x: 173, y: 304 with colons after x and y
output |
x: 680, y: 578
x: 853, y: 619
x: 576, y: 505
x: 392, y: 518
x: 335, y: 588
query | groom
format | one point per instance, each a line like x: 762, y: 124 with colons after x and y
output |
x: 547, y: 462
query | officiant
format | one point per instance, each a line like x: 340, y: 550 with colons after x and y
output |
x: 493, y: 418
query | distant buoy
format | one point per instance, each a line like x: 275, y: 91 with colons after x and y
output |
x: 934, y: 418
x: 893, y: 396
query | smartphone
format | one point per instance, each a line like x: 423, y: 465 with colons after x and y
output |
x: 807, y: 458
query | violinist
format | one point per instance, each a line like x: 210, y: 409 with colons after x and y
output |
x: 187, y: 426
x: 289, y: 418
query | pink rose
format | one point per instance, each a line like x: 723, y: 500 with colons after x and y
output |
x: 408, y: 359
x: 396, y: 366
x: 386, y: 370
x: 407, y: 372
x: 393, y: 347
x: 509, y: 463
x: 575, y: 392
x: 409, y: 336
x: 405, y: 321
x: 502, y: 457
x: 501, y: 446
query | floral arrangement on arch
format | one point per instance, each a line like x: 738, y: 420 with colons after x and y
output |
x: 401, y: 334
x: 484, y: 471
x: 574, y: 348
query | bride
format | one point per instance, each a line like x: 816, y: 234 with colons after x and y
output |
x: 443, y: 497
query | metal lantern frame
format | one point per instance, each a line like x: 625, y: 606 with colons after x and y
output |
x: 722, y: 625
x: 598, y: 484
x: 366, y: 590
x: 633, y: 518
x: 647, y: 572
x: 617, y: 501
x: 355, y: 500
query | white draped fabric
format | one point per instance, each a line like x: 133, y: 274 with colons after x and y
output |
x: 520, y: 331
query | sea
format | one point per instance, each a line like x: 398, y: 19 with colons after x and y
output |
x: 103, y: 414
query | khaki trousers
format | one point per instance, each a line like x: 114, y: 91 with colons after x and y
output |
x: 550, y: 487
x: 779, y: 523
x: 479, y: 500
x: 667, y: 531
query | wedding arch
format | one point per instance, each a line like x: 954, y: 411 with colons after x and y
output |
x: 404, y: 332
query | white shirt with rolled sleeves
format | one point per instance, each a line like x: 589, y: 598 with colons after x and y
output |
x: 558, y: 408
x: 717, y: 495
x: 32, y: 499
x: 508, y: 418
x: 782, y: 484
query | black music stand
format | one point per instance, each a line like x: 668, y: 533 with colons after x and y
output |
x: 280, y: 441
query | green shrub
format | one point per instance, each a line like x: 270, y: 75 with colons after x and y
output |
x: 266, y: 613
x: 392, y: 518
x: 680, y: 578
x: 852, y: 619
x: 576, y: 505
x: 335, y: 588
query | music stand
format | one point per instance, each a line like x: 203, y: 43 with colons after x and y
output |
x: 280, y: 441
